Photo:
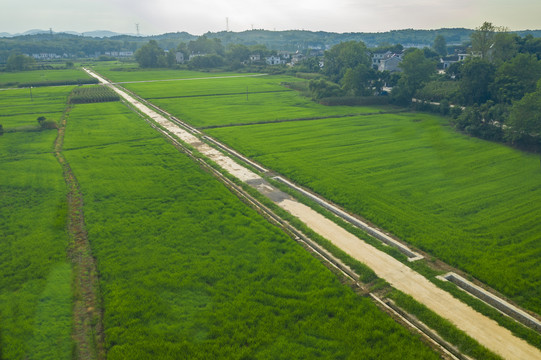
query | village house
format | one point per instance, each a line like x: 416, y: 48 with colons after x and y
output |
x: 275, y: 60
x: 179, y: 57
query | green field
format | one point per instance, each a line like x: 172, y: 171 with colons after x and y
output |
x: 21, y: 107
x: 119, y: 72
x: 224, y: 101
x: 35, y: 274
x: 471, y: 203
x: 20, y: 78
x: 188, y: 271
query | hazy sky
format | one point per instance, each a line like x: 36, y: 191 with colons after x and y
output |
x: 200, y: 16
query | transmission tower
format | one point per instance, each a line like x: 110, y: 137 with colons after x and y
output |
x: 227, y: 24
x: 137, y: 29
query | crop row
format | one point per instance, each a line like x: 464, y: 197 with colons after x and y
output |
x: 94, y: 94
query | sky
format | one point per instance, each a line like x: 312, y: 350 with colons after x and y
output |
x: 200, y: 16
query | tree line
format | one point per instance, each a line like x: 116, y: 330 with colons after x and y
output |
x: 498, y: 85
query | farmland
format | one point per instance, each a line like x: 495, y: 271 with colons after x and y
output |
x: 265, y: 101
x: 35, y: 274
x: 21, y: 107
x: 186, y: 268
x: 468, y: 202
x: 44, y: 78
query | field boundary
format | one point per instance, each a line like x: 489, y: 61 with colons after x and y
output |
x: 301, y: 119
x: 87, y: 311
x: 492, y: 300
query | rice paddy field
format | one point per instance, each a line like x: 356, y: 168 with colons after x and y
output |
x: 21, y: 107
x: 35, y: 273
x: 472, y: 203
x: 44, y: 77
x: 188, y: 271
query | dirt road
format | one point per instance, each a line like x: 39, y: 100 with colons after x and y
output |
x: 486, y: 331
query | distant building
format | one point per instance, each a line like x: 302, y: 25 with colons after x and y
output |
x: 255, y: 57
x: 179, y: 57
x: 386, y: 61
x: 391, y: 63
x: 274, y: 60
x: 196, y: 55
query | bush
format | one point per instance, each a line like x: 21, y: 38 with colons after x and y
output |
x: 59, y: 82
x: 355, y: 100
x: 323, y: 88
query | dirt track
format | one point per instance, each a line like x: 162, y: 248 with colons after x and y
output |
x: 484, y: 330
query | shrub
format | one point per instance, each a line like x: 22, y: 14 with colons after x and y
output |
x: 355, y: 100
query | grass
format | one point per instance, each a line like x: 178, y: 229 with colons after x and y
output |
x: 188, y: 270
x: 466, y: 201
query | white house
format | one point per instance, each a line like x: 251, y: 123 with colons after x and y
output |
x: 179, y: 57
x: 275, y: 60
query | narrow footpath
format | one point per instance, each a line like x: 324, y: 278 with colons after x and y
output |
x: 87, y: 330
x: 486, y: 331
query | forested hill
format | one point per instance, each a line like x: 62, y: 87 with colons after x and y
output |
x: 278, y: 40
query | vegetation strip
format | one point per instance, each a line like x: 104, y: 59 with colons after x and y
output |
x: 87, y: 311
x: 188, y: 79
x: 492, y: 300
x: 297, y: 119
x: 223, y: 94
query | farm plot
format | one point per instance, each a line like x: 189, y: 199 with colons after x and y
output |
x: 186, y: 268
x: 218, y: 102
x: 45, y: 78
x: 120, y: 72
x: 471, y: 203
x: 22, y: 107
x: 35, y: 275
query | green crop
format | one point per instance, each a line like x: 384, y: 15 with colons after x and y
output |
x: 186, y: 269
x: 472, y: 203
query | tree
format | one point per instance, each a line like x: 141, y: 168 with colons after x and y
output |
x: 515, y: 78
x: 524, y: 123
x: 483, y: 38
x: 493, y: 43
x: 344, y: 56
x: 204, y: 45
x: 237, y: 53
x: 440, y: 45
x: 505, y: 47
x: 20, y: 62
x: 361, y: 81
x: 323, y: 88
x: 476, y: 75
x: 150, y: 55
x: 416, y: 71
